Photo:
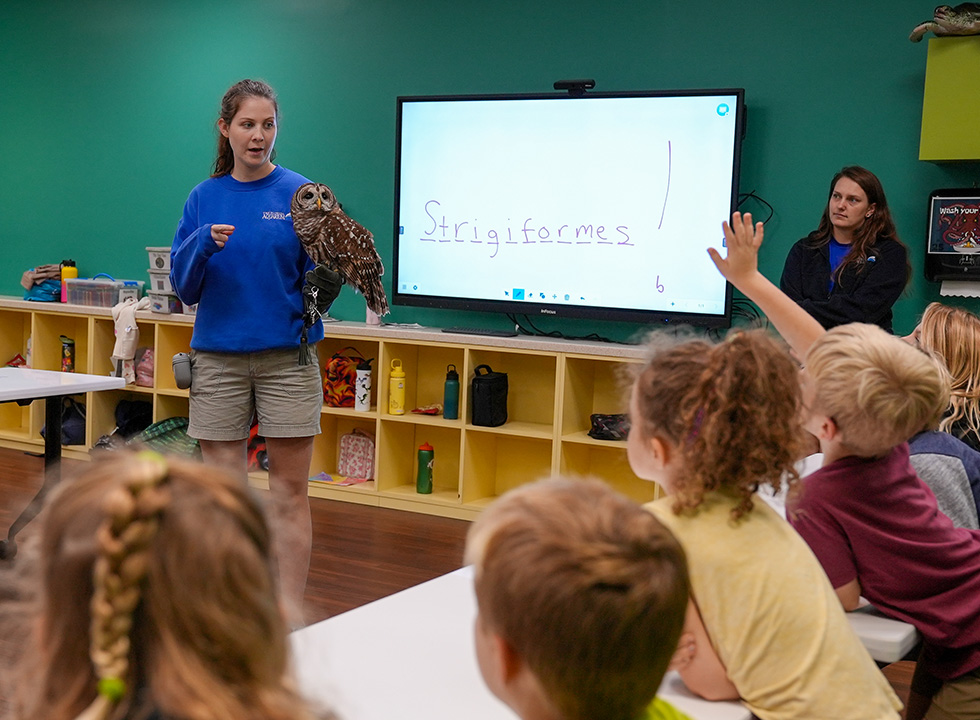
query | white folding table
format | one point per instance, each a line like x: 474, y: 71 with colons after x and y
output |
x: 24, y: 386
x: 411, y: 656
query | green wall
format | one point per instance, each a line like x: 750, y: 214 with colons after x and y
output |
x: 108, y: 107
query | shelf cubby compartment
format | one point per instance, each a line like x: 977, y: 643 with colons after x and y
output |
x: 103, y: 342
x: 100, y: 410
x: 532, y: 380
x: 495, y: 463
x: 425, y: 374
x: 15, y: 421
x: 334, y: 424
x: 46, y: 339
x: 607, y: 461
x: 367, y: 348
x: 592, y: 385
x: 15, y: 329
x: 168, y: 406
x: 172, y: 337
x: 397, y: 470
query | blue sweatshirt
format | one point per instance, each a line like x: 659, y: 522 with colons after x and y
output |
x: 251, y: 291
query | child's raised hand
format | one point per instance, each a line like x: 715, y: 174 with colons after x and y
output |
x: 742, y: 239
x: 221, y: 233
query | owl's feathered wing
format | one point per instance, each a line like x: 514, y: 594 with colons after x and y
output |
x: 350, y: 247
x: 332, y: 237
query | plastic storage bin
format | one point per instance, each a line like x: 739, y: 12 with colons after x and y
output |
x: 159, y: 258
x: 160, y: 282
x: 101, y: 292
x: 164, y: 302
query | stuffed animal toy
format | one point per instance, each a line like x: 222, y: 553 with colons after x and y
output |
x: 964, y: 19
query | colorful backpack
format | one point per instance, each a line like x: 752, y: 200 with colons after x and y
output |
x: 339, y: 376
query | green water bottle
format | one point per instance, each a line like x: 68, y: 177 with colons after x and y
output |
x: 423, y: 484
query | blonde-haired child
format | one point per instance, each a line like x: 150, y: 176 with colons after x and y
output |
x: 156, y: 598
x: 581, y: 597
x: 871, y: 521
x: 953, y: 333
x: 711, y: 424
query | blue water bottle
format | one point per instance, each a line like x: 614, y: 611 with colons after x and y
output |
x: 450, y: 400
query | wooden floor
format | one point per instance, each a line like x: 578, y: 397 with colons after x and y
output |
x: 360, y: 553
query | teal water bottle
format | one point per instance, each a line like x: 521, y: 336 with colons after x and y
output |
x: 450, y: 399
x: 423, y: 483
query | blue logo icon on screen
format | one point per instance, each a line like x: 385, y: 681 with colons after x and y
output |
x: 518, y: 293
x: 722, y: 109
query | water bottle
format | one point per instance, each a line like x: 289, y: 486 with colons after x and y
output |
x: 396, y: 389
x: 68, y: 270
x: 450, y: 398
x: 362, y: 386
x: 423, y: 483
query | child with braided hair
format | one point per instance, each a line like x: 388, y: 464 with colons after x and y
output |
x: 155, y: 599
x: 711, y: 424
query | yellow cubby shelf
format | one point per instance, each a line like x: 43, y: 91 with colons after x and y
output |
x: 554, y: 387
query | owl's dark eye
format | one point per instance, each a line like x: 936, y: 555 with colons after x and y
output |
x: 308, y: 195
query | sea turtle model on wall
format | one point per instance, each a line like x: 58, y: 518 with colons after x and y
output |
x: 964, y: 19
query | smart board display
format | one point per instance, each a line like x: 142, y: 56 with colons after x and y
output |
x: 599, y: 206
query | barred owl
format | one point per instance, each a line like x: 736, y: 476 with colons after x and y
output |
x: 332, y: 237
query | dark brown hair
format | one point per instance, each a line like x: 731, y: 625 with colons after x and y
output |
x: 230, y: 104
x: 880, y: 226
x: 731, y: 410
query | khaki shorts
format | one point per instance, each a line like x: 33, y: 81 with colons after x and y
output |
x: 956, y: 699
x: 226, y: 388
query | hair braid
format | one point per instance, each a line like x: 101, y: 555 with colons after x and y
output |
x: 132, y: 513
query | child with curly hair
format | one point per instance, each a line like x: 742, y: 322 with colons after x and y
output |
x: 711, y: 424
x: 155, y: 598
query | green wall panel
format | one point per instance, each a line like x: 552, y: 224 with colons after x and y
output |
x: 109, y: 107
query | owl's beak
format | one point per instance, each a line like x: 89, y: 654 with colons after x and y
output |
x: 318, y: 204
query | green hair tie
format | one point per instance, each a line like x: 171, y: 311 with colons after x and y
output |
x: 112, y: 688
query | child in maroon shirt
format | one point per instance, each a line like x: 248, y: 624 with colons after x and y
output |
x: 872, y: 523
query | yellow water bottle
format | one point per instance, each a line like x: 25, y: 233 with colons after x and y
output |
x: 68, y: 270
x: 396, y: 389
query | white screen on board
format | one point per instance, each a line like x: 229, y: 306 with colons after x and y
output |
x: 594, y: 202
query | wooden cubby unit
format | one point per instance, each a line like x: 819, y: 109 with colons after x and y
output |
x: 554, y: 386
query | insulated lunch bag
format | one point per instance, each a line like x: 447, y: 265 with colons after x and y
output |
x: 339, y: 376
x: 356, y: 455
x: 488, y: 397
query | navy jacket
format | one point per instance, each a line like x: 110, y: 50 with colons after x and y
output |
x: 863, y: 293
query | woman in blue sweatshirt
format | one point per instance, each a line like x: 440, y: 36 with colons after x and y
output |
x: 235, y: 253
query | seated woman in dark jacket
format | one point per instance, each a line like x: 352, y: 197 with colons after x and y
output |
x: 853, y: 267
